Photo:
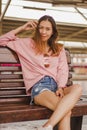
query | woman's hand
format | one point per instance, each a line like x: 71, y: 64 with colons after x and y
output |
x: 60, y: 92
x: 31, y: 25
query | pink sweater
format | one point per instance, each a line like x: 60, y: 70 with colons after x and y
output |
x: 33, y: 65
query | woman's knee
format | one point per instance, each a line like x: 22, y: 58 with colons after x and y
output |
x: 77, y: 88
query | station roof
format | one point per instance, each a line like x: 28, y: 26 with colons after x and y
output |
x: 70, y: 17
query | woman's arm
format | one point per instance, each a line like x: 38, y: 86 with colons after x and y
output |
x: 27, y: 26
x: 10, y: 37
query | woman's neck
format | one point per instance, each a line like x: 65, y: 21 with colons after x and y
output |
x: 46, y: 47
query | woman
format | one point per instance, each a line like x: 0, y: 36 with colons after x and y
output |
x: 45, y: 70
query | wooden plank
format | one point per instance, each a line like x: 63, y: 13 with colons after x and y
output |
x: 38, y: 113
x: 6, y: 50
x: 9, y: 68
x: 12, y: 92
x: 12, y: 88
x: 16, y: 115
x: 8, y: 59
x: 80, y: 109
x: 13, y: 84
x: 13, y: 100
x: 10, y: 76
x: 8, y: 56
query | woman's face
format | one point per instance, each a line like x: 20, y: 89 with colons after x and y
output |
x: 45, y: 29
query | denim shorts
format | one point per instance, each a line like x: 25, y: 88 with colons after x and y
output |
x: 46, y: 83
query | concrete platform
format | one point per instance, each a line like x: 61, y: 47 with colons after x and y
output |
x: 30, y: 125
x: 26, y: 125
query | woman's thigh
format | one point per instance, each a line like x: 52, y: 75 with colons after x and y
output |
x: 50, y: 100
x: 47, y: 99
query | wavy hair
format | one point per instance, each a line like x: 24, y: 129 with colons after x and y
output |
x: 52, y: 41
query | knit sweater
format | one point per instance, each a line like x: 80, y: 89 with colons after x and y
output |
x: 32, y: 64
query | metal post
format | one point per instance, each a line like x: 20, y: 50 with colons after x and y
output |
x: 6, y: 7
x: 0, y: 21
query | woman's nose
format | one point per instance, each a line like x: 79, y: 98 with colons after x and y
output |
x: 44, y: 31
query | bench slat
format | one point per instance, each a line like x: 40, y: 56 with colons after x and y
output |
x: 15, y: 115
x: 9, y: 68
x: 38, y: 113
x: 10, y: 76
x: 11, y: 84
x: 12, y: 88
x: 13, y: 96
x: 12, y: 92
x: 8, y: 56
x: 14, y: 100
x: 7, y: 59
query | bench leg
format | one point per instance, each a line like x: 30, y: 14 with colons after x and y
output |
x: 76, y: 123
x: 56, y: 127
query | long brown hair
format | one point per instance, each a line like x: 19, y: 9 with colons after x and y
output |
x: 54, y: 47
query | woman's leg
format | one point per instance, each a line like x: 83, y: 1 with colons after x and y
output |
x: 72, y: 95
x: 62, y: 106
x: 64, y: 124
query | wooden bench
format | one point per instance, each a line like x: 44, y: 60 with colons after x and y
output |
x: 14, y: 103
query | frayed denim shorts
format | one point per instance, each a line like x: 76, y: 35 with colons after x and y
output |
x: 46, y: 83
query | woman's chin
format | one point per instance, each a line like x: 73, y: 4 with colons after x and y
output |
x: 44, y: 40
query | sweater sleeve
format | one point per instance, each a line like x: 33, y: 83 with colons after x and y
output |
x: 62, y: 70
x: 8, y: 39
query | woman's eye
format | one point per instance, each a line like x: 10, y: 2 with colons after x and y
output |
x: 47, y: 29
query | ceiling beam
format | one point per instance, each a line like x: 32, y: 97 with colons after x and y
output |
x: 79, y: 3
x: 81, y: 13
x: 74, y: 34
x: 77, y: 50
x: 74, y: 40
